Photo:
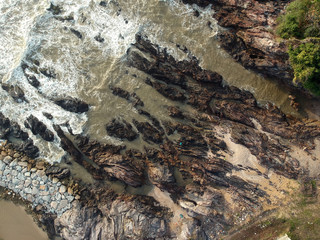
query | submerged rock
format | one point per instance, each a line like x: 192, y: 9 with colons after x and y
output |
x: 131, y: 97
x: 11, y: 130
x: 76, y: 32
x: 55, y: 9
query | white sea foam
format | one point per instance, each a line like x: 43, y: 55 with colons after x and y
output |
x: 29, y: 32
x: 16, y: 19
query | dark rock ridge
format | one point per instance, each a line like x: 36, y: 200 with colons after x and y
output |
x: 76, y: 32
x: 149, y: 132
x: 112, y: 216
x: 131, y: 97
x: 55, y: 9
x: 72, y: 104
x: 122, y: 130
x: 194, y: 167
x: 11, y: 130
x: 57, y: 172
x: 249, y: 35
x: 38, y: 127
x: 15, y: 92
x: 110, y: 164
x: 33, y: 81
x: 224, y: 102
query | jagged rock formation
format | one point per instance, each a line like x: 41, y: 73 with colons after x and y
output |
x: 115, y: 217
x: 249, y: 35
x: 122, y: 130
x: 229, y: 156
x: 11, y: 130
x: 216, y: 160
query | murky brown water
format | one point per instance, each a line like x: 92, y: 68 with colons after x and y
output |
x: 16, y: 224
x: 86, y: 68
x: 167, y: 24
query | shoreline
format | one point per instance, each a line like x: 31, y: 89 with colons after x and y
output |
x: 16, y: 223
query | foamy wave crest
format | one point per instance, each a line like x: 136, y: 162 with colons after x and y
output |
x: 75, y: 48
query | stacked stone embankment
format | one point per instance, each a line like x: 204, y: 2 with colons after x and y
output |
x: 33, y: 184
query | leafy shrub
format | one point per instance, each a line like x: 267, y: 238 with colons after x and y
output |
x: 305, y: 61
x: 301, y: 20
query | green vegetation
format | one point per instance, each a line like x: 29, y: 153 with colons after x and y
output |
x: 302, y: 21
x: 305, y: 61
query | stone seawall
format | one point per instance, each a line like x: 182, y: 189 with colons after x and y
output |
x: 32, y: 184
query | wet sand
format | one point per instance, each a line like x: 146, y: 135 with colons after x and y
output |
x: 16, y: 224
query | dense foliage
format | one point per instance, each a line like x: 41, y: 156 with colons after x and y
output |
x: 302, y: 20
x: 305, y: 60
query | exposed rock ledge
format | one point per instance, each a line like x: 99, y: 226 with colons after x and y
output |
x: 218, y: 164
x: 249, y: 35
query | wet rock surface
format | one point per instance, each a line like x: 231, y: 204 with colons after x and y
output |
x: 200, y: 153
x: 200, y: 168
x: 131, y: 97
x: 249, y: 35
x: 38, y: 127
x: 217, y: 159
x: 149, y: 132
x: 11, y: 130
x: 15, y: 92
x: 57, y: 172
x: 72, y: 105
x: 110, y: 163
x: 121, y: 129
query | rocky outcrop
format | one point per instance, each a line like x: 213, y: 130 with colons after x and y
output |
x: 10, y: 129
x: 131, y: 97
x: 149, y: 132
x: 38, y: 127
x: 218, y: 159
x: 249, y: 36
x: 57, y: 172
x: 15, y: 92
x: 72, y: 105
x: 122, y: 130
x: 111, y: 163
x: 200, y: 154
x: 33, y: 81
x: 115, y: 217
